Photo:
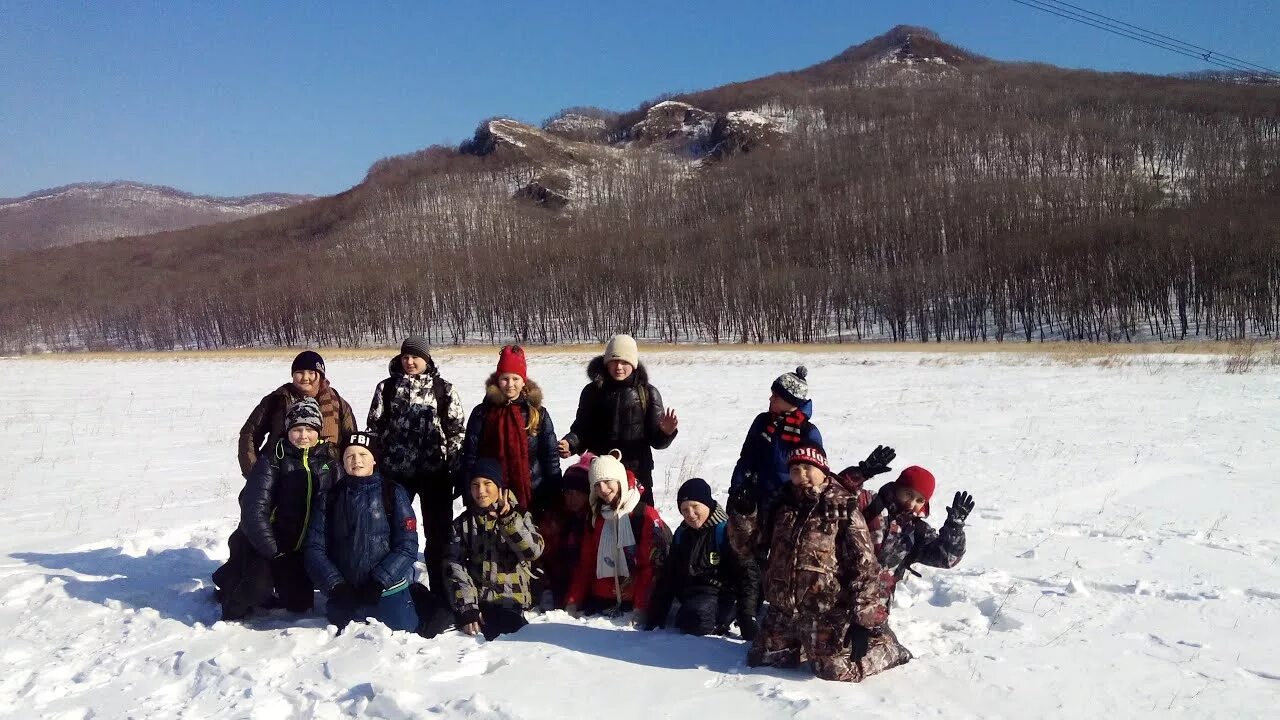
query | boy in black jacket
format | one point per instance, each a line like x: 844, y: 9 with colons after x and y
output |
x: 712, y: 584
x: 275, y: 510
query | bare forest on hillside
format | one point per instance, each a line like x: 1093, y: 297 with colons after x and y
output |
x: 999, y: 202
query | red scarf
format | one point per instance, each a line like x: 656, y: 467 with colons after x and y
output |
x: 505, y: 438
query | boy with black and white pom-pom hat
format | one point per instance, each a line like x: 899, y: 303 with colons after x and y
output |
x: 787, y: 424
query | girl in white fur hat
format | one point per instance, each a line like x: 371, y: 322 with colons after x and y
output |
x: 625, y: 547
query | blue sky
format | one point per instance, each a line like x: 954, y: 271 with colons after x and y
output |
x: 232, y: 98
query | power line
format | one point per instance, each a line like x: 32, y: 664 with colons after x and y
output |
x: 1153, y: 39
x: 1044, y: 6
x: 1202, y: 50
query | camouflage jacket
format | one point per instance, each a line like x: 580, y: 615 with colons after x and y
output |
x: 416, y: 437
x: 821, y: 559
x: 491, y: 559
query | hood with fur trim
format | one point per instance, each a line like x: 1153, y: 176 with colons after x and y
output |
x: 494, y: 396
x: 596, y: 372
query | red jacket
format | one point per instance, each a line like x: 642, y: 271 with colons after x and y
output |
x: 644, y: 560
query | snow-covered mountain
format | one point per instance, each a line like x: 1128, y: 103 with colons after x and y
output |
x: 83, y: 212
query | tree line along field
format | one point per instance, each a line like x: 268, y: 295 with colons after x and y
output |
x: 970, y: 202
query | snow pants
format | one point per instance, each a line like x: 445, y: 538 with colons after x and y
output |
x: 396, y: 611
x: 833, y: 647
x: 706, y: 613
x: 246, y: 580
x: 436, y: 616
x: 435, y: 494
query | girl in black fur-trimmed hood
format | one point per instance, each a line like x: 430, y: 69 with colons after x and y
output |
x: 620, y: 410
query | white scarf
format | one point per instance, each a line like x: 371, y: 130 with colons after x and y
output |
x: 616, y: 534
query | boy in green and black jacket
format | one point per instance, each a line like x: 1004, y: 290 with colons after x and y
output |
x: 275, y: 510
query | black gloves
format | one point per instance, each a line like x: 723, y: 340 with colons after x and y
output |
x: 742, y: 499
x: 861, y: 639
x: 960, y: 508
x: 748, y: 626
x: 369, y: 592
x: 342, y: 594
x: 468, y: 616
x: 877, y: 462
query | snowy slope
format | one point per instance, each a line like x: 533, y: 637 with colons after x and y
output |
x: 1121, y: 557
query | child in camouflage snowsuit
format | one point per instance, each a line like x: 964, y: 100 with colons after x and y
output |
x: 826, y: 606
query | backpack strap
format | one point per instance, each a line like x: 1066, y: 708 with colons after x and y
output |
x: 389, y: 504
x: 388, y: 394
x: 443, y: 391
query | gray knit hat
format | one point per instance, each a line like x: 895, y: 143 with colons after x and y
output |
x: 304, y: 412
x: 416, y: 345
x: 793, y: 387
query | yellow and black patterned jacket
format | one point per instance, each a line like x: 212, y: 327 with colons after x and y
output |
x: 491, y: 559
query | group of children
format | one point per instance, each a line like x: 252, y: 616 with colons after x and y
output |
x: 802, y: 560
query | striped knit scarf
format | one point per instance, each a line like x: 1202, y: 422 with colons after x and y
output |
x: 330, y: 410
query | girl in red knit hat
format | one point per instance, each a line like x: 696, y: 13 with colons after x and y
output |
x: 513, y: 427
x: 896, y: 515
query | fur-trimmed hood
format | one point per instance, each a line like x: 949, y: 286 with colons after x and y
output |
x: 596, y: 372
x: 494, y: 396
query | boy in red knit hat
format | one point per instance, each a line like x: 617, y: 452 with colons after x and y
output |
x: 822, y: 585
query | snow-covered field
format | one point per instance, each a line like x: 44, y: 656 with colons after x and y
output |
x: 1122, y: 558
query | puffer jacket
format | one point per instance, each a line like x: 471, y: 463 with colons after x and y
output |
x: 821, y: 559
x: 415, y: 439
x: 266, y: 422
x: 764, y: 455
x: 544, y: 458
x: 902, y: 539
x: 490, y: 559
x: 701, y: 561
x: 276, y: 502
x: 619, y: 415
x: 353, y: 538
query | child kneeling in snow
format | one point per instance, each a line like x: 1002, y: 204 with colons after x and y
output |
x: 895, y: 517
x: 490, y: 560
x: 362, y: 544
x: 823, y: 582
x: 624, y: 550
x: 713, y: 586
x: 564, y: 527
x: 275, y: 509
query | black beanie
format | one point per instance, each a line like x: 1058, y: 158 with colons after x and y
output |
x: 366, y: 440
x: 416, y: 345
x: 308, y: 360
x: 698, y: 490
x: 487, y: 467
